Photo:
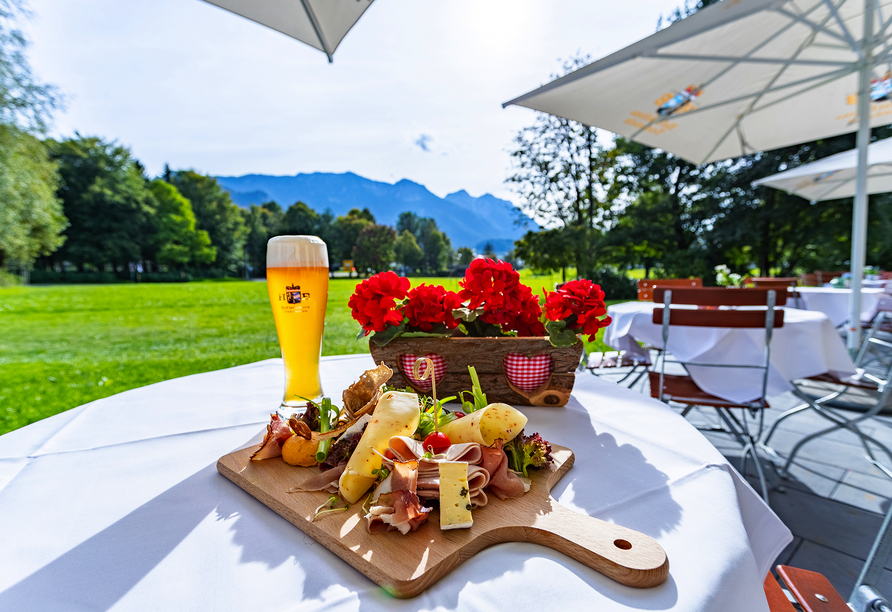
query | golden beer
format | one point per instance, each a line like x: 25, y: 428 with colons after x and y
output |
x: 297, y: 280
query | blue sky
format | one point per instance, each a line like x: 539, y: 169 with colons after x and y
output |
x: 415, y: 90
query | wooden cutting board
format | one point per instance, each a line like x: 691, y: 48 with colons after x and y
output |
x: 406, y: 565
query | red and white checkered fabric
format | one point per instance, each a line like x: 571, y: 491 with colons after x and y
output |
x: 527, y: 374
x: 407, y: 363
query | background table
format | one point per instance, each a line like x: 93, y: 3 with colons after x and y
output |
x: 835, y: 302
x: 805, y: 346
x: 117, y: 505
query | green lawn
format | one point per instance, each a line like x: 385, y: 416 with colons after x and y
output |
x: 64, y: 346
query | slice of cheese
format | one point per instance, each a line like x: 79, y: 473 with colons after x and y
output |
x: 455, y: 497
x: 397, y: 414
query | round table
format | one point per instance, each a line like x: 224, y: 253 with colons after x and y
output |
x: 835, y: 302
x: 807, y: 345
x: 117, y: 505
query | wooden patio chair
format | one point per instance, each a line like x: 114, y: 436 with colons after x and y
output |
x: 874, y: 366
x: 808, y: 280
x: 646, y: 286
x: 824, y: 276
x: 681, y: 389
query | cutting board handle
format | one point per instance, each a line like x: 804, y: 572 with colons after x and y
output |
x: 627, y: 556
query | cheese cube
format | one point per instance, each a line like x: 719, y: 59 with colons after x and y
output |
x: 455, y: 497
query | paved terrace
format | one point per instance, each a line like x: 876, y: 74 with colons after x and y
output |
x: 834, y: 500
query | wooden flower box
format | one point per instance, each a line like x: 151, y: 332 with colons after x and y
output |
x: 540, y: 374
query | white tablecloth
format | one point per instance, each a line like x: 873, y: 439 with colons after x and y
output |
x: 806, y: 345
x: 117, y: 505
x: 835, y: 302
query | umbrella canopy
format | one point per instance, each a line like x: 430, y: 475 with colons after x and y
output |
x: 743, y: 76
x: 322, y: 24
x: 834, y: 177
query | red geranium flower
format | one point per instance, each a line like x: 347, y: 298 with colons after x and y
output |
x: 490, y: 282
x: 374, y: 301
x: 580, y: 303
x: 431, y: 305
x: 527, y: 320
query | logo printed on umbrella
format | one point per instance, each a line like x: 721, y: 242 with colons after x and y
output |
x: 675, y: 104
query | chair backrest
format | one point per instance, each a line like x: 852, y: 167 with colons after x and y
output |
x: 709, y: 313
x: 646, y: 286
x: 808, y: 280
x: 772, y: 282
x: 824, y: 276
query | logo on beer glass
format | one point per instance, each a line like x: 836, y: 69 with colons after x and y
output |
x: 293, y: 294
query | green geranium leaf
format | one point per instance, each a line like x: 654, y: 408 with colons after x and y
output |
x: 466, y: 314
x: 559, y: 335
x: 360, y: 335
x: 383, y: 338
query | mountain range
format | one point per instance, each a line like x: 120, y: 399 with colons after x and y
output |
x: 468, y: 221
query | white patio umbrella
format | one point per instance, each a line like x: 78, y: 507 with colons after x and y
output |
x: 322, y: 24
x: 743, y: 76
x: 834, y: 177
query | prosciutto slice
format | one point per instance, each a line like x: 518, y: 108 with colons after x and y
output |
x: 277, y: 432
x: 503, y: 483
x: 323, y: 481
x: 406, y: 449
x: 399, y: 508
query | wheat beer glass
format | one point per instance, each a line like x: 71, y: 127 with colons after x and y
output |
x: 297, y: 279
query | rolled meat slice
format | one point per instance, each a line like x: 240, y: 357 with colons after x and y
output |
x: 503, y: 483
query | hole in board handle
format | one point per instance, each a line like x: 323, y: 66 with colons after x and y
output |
x: 622, y: 544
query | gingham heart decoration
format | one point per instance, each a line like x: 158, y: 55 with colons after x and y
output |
x: 407, y: 362
x: 527, y: 374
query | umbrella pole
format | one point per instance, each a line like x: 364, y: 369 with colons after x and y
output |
x: 859, y: 212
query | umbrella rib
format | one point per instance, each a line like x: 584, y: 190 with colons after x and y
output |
x: 814, y: 27
x: 311, y: 15
x: 835, y: 76
x: 833, y: 10
x: 744, y: 59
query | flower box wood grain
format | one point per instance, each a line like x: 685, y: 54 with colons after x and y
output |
x: 487, y: 355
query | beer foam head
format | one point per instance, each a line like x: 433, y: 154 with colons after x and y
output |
x: 296, y: 251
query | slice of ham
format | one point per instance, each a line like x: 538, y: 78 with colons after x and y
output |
x: 323, y: 481
x: 503, y: 483
x: 277, y: 432
x: 404, y: 476
x: 399, y: 507
x: 406, y: 449
x: 397, y: 511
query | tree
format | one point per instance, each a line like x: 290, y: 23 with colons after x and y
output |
x: 346, y: 230
x: 262, y: 223
x: 300, y: 220
x: 374, y: 248
x: 216, y: 214
x: 489, y: 251
x: 106, y: 201
x: 464, y: 256
x: 407, y: 252
x: 31, y: 218
x: 24, y: 102
x: 409, y: 222
x: 435, y: 244
x: 176, y: 239
x: 546, y: 251
x: 565, y: 180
